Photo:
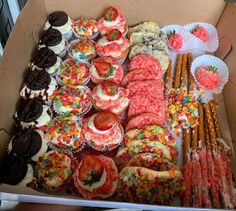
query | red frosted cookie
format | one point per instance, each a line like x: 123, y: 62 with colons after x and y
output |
x: 146, y: 87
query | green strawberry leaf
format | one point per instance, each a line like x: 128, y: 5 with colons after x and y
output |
x: 212, y: 68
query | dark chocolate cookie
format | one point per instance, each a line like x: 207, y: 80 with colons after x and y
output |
x: 13, y: 170
x: 26, y: 143
x: 37, y: 80
x: 58, y: 18
x: 29, y: 110
x: 44, y: 58
x: 50, y: 37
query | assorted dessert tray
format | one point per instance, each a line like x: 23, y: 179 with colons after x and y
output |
x: 122, y: 113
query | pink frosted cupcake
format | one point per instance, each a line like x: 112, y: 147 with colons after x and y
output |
x: 201, y: 33
x: 108, y: 96
x: 110, y: 20
x: 175, y: 40
x: 102, y: 131
x: 113, y: 45
x: 106, y: 69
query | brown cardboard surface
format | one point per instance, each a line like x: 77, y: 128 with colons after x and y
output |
x: 161, y: 11
x: 226, y: 27
x: 25, y: 34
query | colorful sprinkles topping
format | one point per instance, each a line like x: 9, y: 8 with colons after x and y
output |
x: 86, y: 27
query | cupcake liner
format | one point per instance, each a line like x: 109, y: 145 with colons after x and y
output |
x: 70, y: 46
x: 222, y: 69
x: 188, y: 38
x: 213, y: 42
x: 68, y: 35
x: 93, y: 37
x: 63, y: 53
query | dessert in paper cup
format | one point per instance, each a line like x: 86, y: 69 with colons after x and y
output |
x: 179, y: 39
x: 205, y: 36
x: 210, y: 72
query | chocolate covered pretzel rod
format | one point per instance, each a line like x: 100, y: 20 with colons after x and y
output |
x: 201, y: 132
x: 186, y: 143
x: 215, y: 119
x: 168, y: 78
x: 178, y: 71
x: 190, y: 76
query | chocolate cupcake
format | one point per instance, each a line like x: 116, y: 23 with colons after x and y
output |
x: 62, y: 22
x: 53, y: 39
x: 29, y: 144
x: 39, y: 84
x: 16, y: 171
x: 32, y: 113
x: 45, y: 59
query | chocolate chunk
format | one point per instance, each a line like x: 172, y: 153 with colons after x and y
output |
x: 13, y: 170
x: 26, y: 143
x: 58, y: 18
x: 29, y: 110
x: 44, y: 58
x: 50, y: 37
x: 38, y: 80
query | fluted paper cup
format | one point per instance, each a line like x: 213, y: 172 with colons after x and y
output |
x: 222, y: 69
x: 213, y: 42
x: 188, y: 38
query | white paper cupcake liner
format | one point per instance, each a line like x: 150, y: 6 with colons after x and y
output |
x: 188, y: 38
x: 62, y: 54
x: 222, y: 69
x: 212, y: 44
x: 68, y: 35
x: 74, y: 42
x: 93, y: 37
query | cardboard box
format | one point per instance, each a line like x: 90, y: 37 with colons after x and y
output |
x: 25, y: 36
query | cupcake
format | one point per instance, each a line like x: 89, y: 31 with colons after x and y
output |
x: 53, y: 171
x: 32, y: 113
x: 29, y: 144
x: 16, y: 171
x: 53, y: 39
x: 96, y: 177
x: 110, y: 20
x: 62, y: 22
x: 113, y: 45
x: 72, y: 100
x: 102, y: 131
x: 82, y: 49
x: 72, y: 72
x: 38, y: 84
x: 45, y: 59
x: 86, y: 27
x: 65, y: 133
x: 111, y: 97
x: 106, y: 69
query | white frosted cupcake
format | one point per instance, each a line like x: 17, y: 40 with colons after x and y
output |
x: 62, y: 22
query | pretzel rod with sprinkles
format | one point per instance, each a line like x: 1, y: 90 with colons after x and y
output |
x: 201, y: 131
x: 178, y: 71
x: 184, y: 71
x: 207, y: 136
x: 186, y: 143
x: 190, y: 76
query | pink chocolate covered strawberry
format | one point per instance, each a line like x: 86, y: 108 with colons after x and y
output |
x: 175, y: 40
x: 208, y: 76
x: 201, y: 33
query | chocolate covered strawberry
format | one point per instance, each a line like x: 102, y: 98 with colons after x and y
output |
x: 208, y: 76
x: 111, y: 14
x: 113, y: 35
x: 175, y: 40
x: 103, y: 68
x: 201, y: 33
x: 105, y: 120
